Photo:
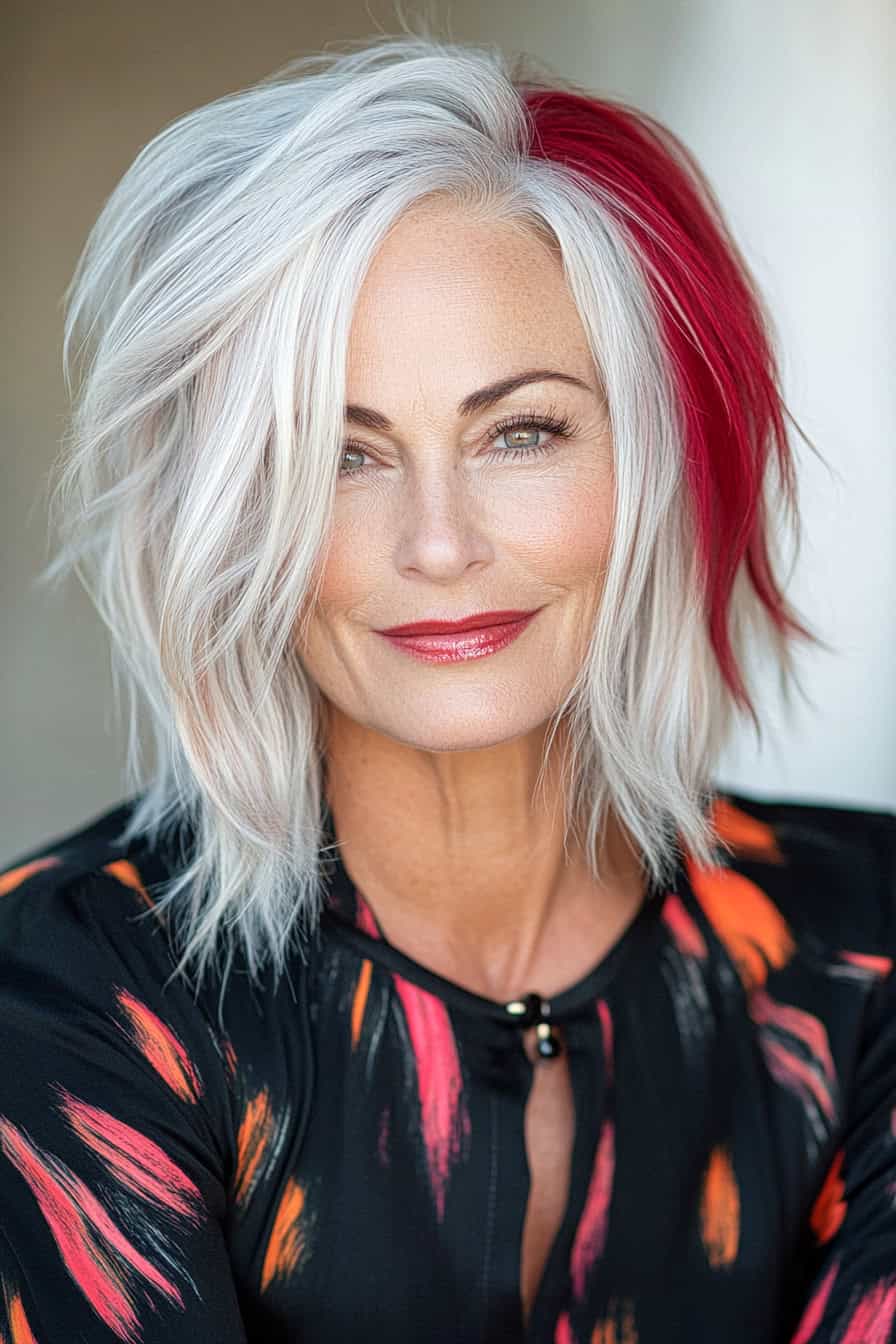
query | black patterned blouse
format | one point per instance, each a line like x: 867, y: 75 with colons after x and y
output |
x: 342, y: 1160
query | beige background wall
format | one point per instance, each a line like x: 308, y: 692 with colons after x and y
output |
x: 786, y: 107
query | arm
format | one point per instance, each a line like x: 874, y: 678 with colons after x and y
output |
x: 112, y: 1185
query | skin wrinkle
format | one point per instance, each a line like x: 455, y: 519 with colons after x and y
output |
x: 448, y: 755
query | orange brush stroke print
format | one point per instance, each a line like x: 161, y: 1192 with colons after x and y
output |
x: 742, y: 833
x: 618, y: 1328
x: 359, y: 1000
x: 18, y: 1321
x: 829, y: 1209
x: 287, y: 1239
x: 125, y: 872
x: 749, y: 924
x: 14, y: 877
x: 720, y: 1209
x: 159, y: 1045
x: 253, y: 1139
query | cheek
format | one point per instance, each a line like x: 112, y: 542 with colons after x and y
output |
x: 345, y: 583
x: 352, y: 571
x: 565, y: 527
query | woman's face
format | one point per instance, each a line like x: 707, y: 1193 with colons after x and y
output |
x: 438, y: 514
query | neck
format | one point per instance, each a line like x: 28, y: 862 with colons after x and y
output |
x: 462, y: 860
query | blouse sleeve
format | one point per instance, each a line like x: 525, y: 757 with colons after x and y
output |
x: 113, y: 1128
x: 852, y: 1299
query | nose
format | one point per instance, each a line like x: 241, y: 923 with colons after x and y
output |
x: 442, y: 530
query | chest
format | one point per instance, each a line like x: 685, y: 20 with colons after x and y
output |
x: 458, y: 1185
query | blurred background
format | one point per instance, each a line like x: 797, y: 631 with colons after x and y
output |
x: 789, y: 109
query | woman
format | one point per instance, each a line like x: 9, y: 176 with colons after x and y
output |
x: 425, y: 988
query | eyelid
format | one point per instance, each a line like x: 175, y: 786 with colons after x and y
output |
x: 557, y: 422
x: 550, y: 412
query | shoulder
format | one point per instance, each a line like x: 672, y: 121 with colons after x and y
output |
x: 86, y: 961
x: 825, y: 871
x: 86, y: 893
x: 88, y: 1005
x: 117, y: 1123
x: 78, y: 911
x: 81, y: 938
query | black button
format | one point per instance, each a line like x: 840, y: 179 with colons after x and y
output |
x: 548, y: 1043
x: 526, y: 1011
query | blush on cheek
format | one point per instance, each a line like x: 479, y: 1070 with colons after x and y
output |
x: 569, y: 534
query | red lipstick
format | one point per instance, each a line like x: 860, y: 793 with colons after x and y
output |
x: 478, y: 621
x: 456, y: 641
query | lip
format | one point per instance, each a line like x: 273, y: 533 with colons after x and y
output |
x: 479, y: 621
x: 460, y: 645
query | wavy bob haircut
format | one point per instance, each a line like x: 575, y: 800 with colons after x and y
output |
x: 209, y: 318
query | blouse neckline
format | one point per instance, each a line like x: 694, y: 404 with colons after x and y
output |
x: 344, y: 911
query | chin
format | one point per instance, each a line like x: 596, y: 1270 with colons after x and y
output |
x: 464, y: 732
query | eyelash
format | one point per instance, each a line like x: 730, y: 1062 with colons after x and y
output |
x: 558, y: 426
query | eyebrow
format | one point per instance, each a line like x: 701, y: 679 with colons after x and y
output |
x: 476, y: 401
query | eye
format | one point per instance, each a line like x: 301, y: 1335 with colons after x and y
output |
x: 522, y: 427
x: 350, y: 447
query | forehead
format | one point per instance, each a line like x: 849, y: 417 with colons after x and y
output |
x: 451, y: 301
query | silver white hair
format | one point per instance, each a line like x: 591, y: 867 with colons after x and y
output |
x: 211, y: 308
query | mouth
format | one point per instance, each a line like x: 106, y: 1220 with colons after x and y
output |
x: 478, y: 621
x: 460, y: 644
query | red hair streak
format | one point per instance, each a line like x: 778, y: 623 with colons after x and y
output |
x: 714, y: 331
